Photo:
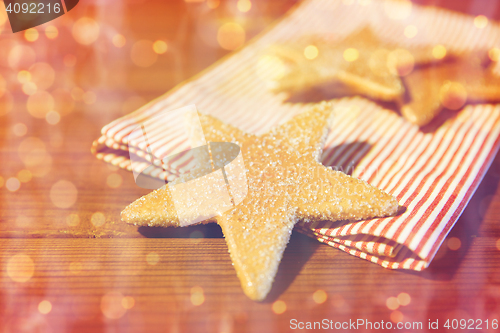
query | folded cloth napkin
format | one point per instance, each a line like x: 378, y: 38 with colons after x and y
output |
x: 433, y: 173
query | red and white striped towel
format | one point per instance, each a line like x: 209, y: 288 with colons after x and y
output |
x: 432, y: 173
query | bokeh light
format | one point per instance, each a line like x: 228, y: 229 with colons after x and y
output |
x: 119, y: 40
x: 351, y: 54
x: 44, y: 307
x: 77, y: 93
x: 454, y: 243
x: 2, y: 181
x: 480, y: 21
x: 63, y: 101
x: 42, y: 74
x: 31, y: 34
x: 19, y: 129
x: 392, y: 303
x: 114, y: 180
x: 244, y: 5
x: 20, y: 268
x: 53, y: 117
x: 21, y: 57
x: 111, y: 305
x: 311, y: 52
x: 3, y: 13
x: 3, y: 85
x: 396, y: 316
x: 197, y: 296
x: 29, y: 88
x: 411, y: 31
x: 63, y: 194
x: 128, y: 302
x: 143, y: 54
x: 319, y: 296
x: 24, y: 176
x: 34, y: 156
x: 231, y: 36
x: 12, y: 184
x: 23, y: 76
x: 404, y: 299
x: 85, y: 31
x: 152, y: 258
x: 279, y: 307
x: 452, y: 95
x: 98, y: 219
x: 39, y: 104
x: 160, y: 47
x: 51, y: 32
x: 494, y: 54
x: 72, y: 220
x: 439, y: 51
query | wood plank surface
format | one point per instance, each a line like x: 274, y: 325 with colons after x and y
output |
x: 63, y: 244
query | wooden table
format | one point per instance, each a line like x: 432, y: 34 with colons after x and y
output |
x: 85, y: 271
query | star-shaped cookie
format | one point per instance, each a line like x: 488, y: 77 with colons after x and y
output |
x: 286, y: 183
x: 449, y: 85
x: 362, y: 61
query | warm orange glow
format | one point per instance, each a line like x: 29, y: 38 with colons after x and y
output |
x: 19, y: 129
x: 111, y: 305
x: 142, y: 53
x: 29, y: 88
x: 63, y: 194
x: 23, y: 76
x: 453, y: 95
x: 69, y: 60
x: 152, y: 258
x: 480, y: 21
x: 53, y: 117
x: 63, y: 102
x: 51, y: 32
x: 212, y: 4
x: 77, y: 93
x: 24, y: 176
x: 85, y: 31
x: 311, y: 52
x: 12, y: 184
x: 72, y: 220
x: 3, y: 85
x: 197, y: 296
x: 119, y: 40
x: 3, y: 14
x: 320, y: 296
x: 89, y: 97
x: 98, y: 219
x: 494, y: 54
x: 411, y: 31
x: 44, y: 307
x: 128, y: 302
x: 439, y: 51
x: 160, y: 47
x: 20, y: 268
x: 392, y: 303
x: 279, y: 307
x: 351, y: 54
x: 6, y: 103
x: 231, y: 36
x: 2, y: 181
x: 39, y: 104
x: 396, y: 316
x: 21, y: 57
x: 244, y: 5
x: 404, y: 299
x: 114, y: 180
x: 43, y: 75
x: 75, y: 267
x: 497, y: 243
x: 454, y: 243
x: 31, y: 34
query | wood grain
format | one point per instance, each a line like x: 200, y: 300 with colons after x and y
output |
x: 75, y: 267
